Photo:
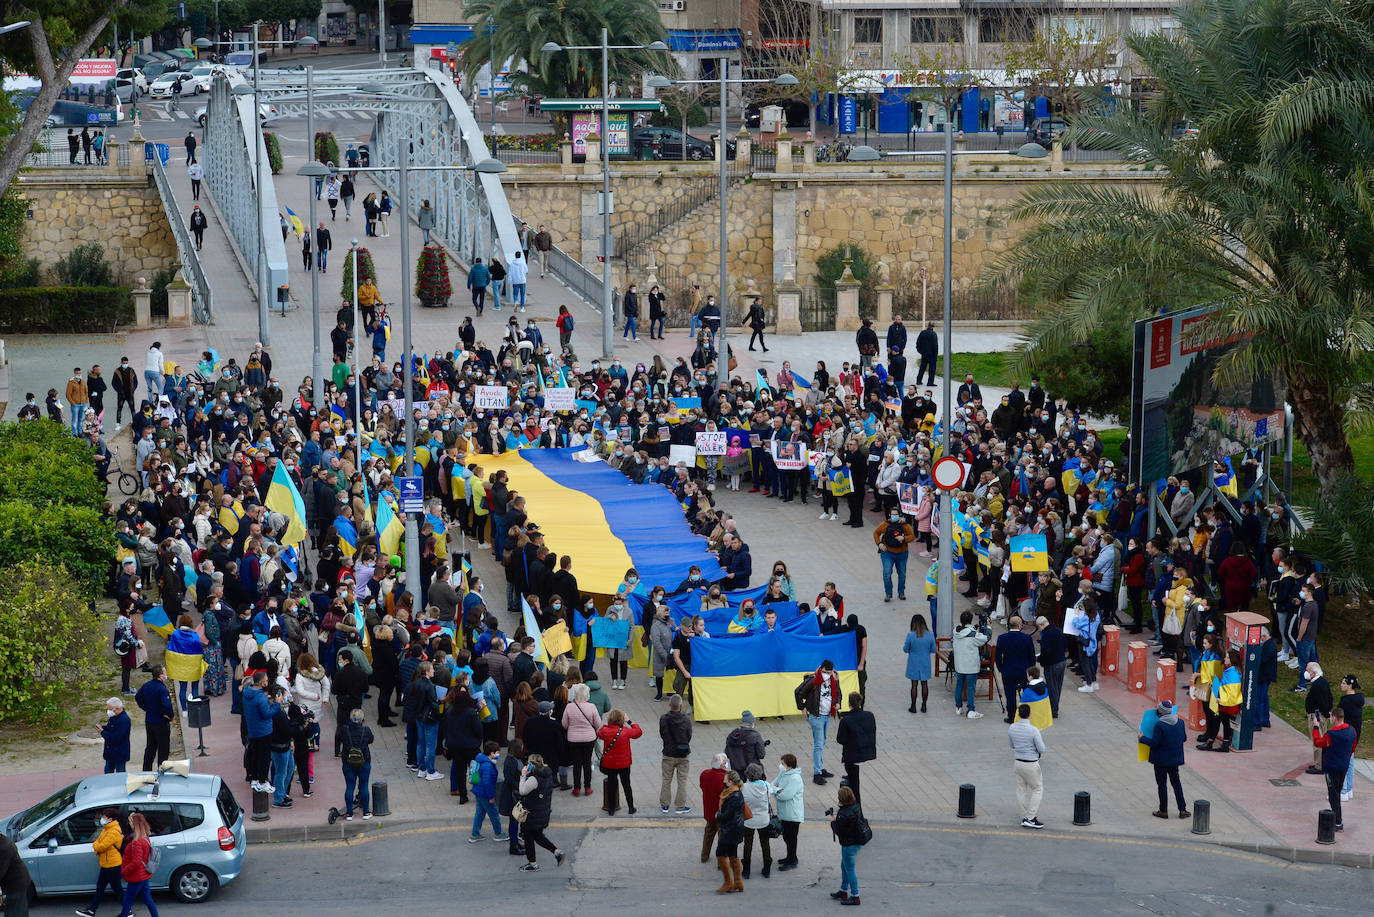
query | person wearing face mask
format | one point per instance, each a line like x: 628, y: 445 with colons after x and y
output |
x: 694, y: 581
x: 115, y: 734
x: 1305, y: 627
x: 107, y: 846
x: 893, y: 538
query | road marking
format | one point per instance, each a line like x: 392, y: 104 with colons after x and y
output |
x: 691, y: 824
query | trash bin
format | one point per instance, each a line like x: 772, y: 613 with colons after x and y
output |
x: 198, y: 712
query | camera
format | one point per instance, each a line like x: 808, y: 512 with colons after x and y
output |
x: 830, y: 811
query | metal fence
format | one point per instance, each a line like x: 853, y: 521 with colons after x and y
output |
x: 965, y: 305
x: 512, y: 156
x: 580, y: 280
x: 699, y: 191
x: 818, y: 309
x: 202, y: 307
x: 53, y: 154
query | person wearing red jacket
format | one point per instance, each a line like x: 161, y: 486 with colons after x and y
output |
x: 616, y: 758
x: 134, y: 869
x: 712, y: 781
x: 823, y: 701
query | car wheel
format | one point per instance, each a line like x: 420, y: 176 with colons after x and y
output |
x: 193, y: 884
x: 201, y: 120
x: 696, y: 153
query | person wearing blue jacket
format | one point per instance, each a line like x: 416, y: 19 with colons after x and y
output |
x: 483, y: 768
x: 115, y: 731
x: 258, y: 711
x: 1166, y: 754
x: 155, y: 700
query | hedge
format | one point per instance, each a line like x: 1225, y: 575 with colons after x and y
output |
x: 71, y: 536
x: 42, y: 464
x: 65, y: 310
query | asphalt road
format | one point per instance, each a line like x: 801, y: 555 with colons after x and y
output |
x: 907, y: 869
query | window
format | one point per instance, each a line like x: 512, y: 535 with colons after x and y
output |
x: 1154, y: 25
x: 228, y: 806
x: 868, y: 30
x: 930, y: 30
x: 191, y: 814
x: 1005, y: 27
x: 161, y: 819
x: 1083, y: 28
x: 81, y: 828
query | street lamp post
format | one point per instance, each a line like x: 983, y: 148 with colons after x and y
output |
x: 607, y: 202
x: 783, y: 79
x: 381, y: 32
x: 945, y: 572
x: 491, y: 71
x: 487, y: 166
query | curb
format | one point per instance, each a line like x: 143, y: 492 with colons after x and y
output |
x: 358, y: 829
x: 1328, y: 856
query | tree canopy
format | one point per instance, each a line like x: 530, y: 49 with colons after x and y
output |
x: 1268, y: 210
x: 523, y: 27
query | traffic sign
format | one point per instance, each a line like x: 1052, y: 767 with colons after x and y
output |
x: 412, y: 494
x: 948, y: 473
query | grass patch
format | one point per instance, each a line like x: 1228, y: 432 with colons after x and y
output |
x: 988, y: 368
x: 1305, y: 488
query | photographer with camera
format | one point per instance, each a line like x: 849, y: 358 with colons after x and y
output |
x: 967, y: 656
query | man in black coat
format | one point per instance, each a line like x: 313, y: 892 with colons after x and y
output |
x: 896, y: 335
x: 858, y: 736
x: 1053, y: 659
x: 543, y: 736
x: 866, y: 340
x: 348, y: 687
x: 927, y: 348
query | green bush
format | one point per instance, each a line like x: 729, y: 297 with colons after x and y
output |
x: 432, y: 285
x: 158, y: 301
x: 672, y: 116
x: 41, y: 464
x: 326, y: 147
x: 25, y: 272
x: 54, y: 649
x: 65, y: 310
x: 273, y: 152
x: 73, y: 536
x: 85, y: 266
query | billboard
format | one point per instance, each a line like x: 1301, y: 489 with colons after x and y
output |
x: 589, y: 122
x: 1181, y: 417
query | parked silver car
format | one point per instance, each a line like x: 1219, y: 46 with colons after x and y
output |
x: 197, y: 826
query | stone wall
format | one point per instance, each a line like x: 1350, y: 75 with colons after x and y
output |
x: 123, y: 213
x: 777, y: 220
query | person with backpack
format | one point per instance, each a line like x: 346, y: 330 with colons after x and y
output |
x: 482, y: 777
x: 356, y: 740
x: 851, y: 829
x: 421, y: 716
x: 894, y: 538
x: 564, y: 324
x: 140, y: 861
x: 462, y: 740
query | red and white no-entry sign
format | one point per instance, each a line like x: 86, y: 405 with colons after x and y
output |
x: 948, y: 473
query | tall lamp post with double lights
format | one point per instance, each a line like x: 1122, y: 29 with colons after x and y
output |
x: 945, y: 571
x: 662, y: 82
x: 485, y: 167
x: 606, y: 203
x: 259, y: 147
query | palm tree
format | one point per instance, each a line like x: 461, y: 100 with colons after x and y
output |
x: 1267, y: 211
x: 523, y: 27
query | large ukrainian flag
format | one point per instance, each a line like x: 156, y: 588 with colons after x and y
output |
x: 760, y: 672
x: 592, y: 513
x: 390, y: 529
x: 1037, y: 697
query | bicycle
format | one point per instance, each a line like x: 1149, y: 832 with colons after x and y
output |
x: 127, y: 482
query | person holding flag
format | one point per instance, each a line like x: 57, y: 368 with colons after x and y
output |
x: 283, y: 497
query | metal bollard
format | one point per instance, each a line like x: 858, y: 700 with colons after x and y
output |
x: 965, y: 800
x: 1326, y: 827
x: 1082, y: 808
x: 1202, y: 816
x: 262, y: 802
x: 379, y: 804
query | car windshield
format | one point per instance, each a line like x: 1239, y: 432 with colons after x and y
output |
x: 49, y: 807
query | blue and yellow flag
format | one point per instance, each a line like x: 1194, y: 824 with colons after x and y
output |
x: 348, y: 535
x: 800, y: 387
x: 156, y: 620
x: 1029, y: 553
x: 390, y: 530
x: 1036, y: 697
x: 296, y: 225
x: 758, y: 672
x: 1071, y: 477
x: 191, y: 578
x: 291, y: 560
x: 183, y: 656
x: 284, y: 498
x: 761, y: 381
x: 229, y: 517
x: 841, y: 483
x: 364, y: 632
x: 367, y: 501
